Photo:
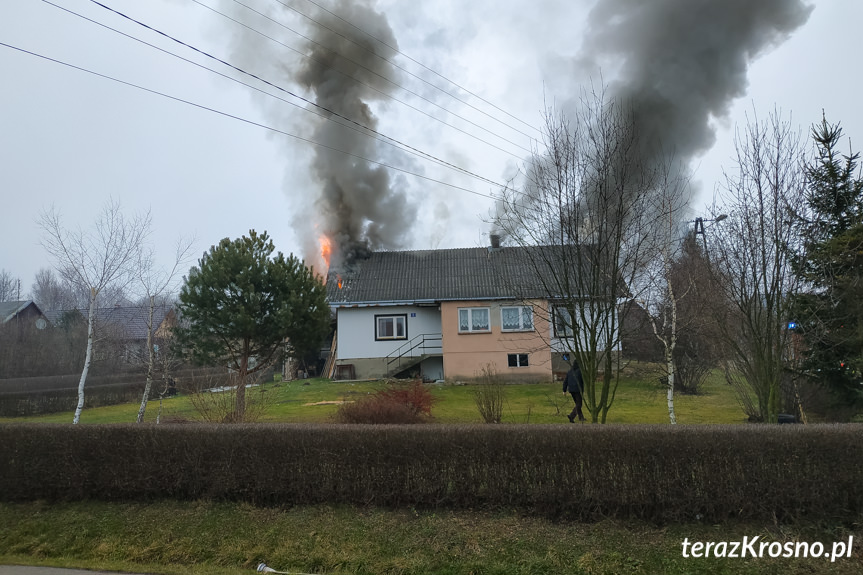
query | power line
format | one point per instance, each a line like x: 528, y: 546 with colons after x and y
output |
x: 412, y: 107
x: 365, y: 129
x: 389, y: 80
x: 436, y: 73
x: 244, y: 120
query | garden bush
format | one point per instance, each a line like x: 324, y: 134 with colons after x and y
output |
x: 400, y: 403
x: 657, y: 473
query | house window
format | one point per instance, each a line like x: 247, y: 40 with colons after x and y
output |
x: 563, y: 324
x: 391, y: 327
x: 517, y: 359
x: 516, y: 318
x: 473, y: 320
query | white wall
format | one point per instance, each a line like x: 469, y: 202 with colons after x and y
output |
x: 559, y: 345
x: 356, y: 327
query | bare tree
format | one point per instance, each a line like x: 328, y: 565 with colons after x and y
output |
x: 586, y: 217
x: 50, y: 293
x: 663, y: 292
x: 697, y: 349
x: 751, y: 259
x: 95, y: 259
x: 8, y: 286
x: 156, y: 283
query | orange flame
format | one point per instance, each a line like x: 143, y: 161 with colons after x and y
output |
x: 326, y: 250
x: 340, y: 281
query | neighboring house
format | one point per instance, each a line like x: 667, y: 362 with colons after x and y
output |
x: 23, y: 313
x: 446, y: 313
x: 124, y: 328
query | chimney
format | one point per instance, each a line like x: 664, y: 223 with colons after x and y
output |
x: 495, y: 241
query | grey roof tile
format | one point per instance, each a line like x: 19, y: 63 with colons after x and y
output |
x: 436, y: 275
x: 9, y: 309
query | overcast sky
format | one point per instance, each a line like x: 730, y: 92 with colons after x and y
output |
x: 73, y: 140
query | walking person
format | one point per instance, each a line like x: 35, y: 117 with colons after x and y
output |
x: 574, y: 384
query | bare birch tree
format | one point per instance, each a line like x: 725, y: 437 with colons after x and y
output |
x: 586, y: 217
x: 751, y: 259
x: 95, y: 259
x: 155, y: 283
x: 663, y: 293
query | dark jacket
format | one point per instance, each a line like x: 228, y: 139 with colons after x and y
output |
x: 573, y: 382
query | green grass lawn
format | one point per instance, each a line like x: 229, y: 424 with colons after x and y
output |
x: 639, y: 400
x: 192, y: 538
x: 222, y: 538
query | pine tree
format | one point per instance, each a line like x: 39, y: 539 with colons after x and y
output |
x: 241, y: 306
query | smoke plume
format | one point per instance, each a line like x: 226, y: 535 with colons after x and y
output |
x: 681, y: 63
x: 361, y: 205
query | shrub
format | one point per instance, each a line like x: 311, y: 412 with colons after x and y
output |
x: 648, y: 472
x: 490, y: 395
x: 414, y: 395
x: 376, y: 410
x: 213, y: 395
x: 410, y: 403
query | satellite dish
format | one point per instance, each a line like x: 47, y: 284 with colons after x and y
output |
x: 41, y: 323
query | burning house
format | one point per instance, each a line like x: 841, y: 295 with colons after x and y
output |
x: 444, y: 314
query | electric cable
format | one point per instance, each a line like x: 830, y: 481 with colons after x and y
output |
x: 433, y: 71
x: 216, y: 58
x: 244, y: 120
x: 378, y: 135
x: 386, y: 95
x: 409, y: 91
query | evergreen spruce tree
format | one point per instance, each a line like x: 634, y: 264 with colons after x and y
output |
x: 241, y: 306
x: 830, y: 316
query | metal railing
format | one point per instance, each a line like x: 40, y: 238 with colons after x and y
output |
x: 423, y: 344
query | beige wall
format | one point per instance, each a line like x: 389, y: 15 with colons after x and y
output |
x: 466, y: 354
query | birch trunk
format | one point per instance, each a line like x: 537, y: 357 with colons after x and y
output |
x: 151, y: 360
x: 91, y: 317
x: 669, y: 360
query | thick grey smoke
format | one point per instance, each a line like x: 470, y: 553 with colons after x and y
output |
x: 362, y: 205
x: 681, y: 63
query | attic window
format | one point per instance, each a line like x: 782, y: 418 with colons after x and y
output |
x: 389, y: 327
x: 473, y: 320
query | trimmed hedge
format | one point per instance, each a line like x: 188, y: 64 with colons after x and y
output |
x: 657, y: 473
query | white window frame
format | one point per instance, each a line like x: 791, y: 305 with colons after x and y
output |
x: 518, y: 358
x: 470, y: 311
x: 395, y: 317
x: 523, y: 311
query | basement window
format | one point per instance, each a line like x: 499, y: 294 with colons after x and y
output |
x: 516, y: 318
x: 473, y: 320
x: 517, y: 360
x: 389, y: 327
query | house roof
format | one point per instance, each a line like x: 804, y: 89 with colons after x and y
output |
x: 436, y: 275
x: 131, y: 320
x: 9, y: 309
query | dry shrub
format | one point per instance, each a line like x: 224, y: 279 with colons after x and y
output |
x: 490, y: 395
x: 411, y: 403
x: 214, y: 396
x: 414, y: 395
